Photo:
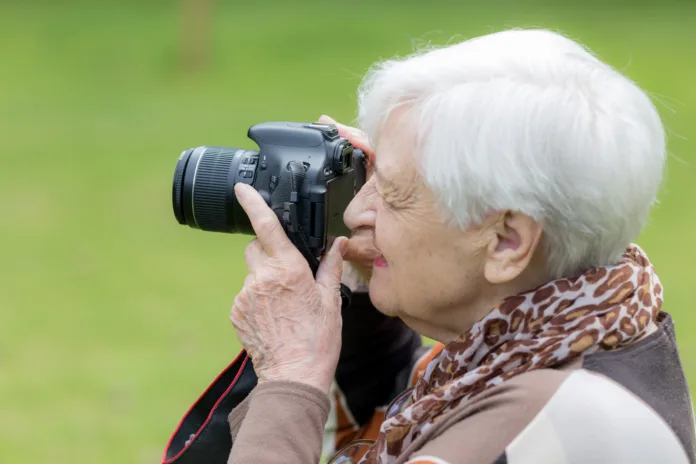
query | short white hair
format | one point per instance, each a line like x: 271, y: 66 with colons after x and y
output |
x: 530, y: 121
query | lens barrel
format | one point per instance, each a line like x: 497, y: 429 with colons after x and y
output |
x: 203, y: 189
x: 178, y: 188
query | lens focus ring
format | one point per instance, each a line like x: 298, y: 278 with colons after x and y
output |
x: 178, y: 186
x: 210, y: 189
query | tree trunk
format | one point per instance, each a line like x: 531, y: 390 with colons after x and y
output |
x: 196, y: 29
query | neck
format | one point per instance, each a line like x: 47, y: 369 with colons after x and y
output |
x: 456, y: 319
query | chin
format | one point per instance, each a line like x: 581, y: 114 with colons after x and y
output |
x: 365, y: 270
x: 383, y: 299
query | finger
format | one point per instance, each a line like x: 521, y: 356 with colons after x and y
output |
x: 360, y: 249
x: 356, y: 137
x: 237, y: 313
x: 254, y: 255
x: 249, y: 282
x: 326, y: 119
x: 264, y: 221
x: 331, y: 266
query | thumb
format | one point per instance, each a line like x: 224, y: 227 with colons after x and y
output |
x: 331, y: 266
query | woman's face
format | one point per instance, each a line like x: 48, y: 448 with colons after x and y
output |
x: 422, y: 268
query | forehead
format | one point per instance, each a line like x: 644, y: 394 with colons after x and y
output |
x: 394, y: 156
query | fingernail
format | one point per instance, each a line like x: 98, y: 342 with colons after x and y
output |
x: 356, y: 132
x: 343, y: 247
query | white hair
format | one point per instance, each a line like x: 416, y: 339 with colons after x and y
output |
x: 530, y: 121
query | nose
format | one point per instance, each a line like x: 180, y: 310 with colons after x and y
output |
x: 360, y: 213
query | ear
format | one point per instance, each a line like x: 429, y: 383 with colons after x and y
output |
x: 514, y: 239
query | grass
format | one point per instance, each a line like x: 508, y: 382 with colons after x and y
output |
x: 113, y: 318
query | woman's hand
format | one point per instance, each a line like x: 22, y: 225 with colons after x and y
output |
x: 288, y: 321
x: 357, y: 267
x: 356, y: 137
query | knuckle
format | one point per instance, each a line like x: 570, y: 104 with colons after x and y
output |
x: 297, y: 270
x: 278, y: 273
x: 261, y: 287
x: 295, y: 276
x: 268, y: 226
x: 266, y: 286
x: 248, y: 252
x: 252, y: 246
x: 241, y: 302
x: 235, y: 316
x: 261, y: 281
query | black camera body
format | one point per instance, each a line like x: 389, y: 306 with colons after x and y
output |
x: 306, y: 173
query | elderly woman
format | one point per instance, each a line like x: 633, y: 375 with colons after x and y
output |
x: 511, y: 174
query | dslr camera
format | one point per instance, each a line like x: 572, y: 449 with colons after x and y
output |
x: 305, y: 172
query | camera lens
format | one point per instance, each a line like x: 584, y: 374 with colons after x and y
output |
x: 177, y: 190
x: 203, y: 189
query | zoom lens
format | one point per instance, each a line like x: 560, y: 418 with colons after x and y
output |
x: 203, y: 190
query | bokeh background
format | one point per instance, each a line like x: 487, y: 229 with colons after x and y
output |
x: 113, y: 318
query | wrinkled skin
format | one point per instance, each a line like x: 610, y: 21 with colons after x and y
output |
x: 289, y: 323
x: 436, y: 278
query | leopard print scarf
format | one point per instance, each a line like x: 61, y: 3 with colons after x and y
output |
x: 606, y: 308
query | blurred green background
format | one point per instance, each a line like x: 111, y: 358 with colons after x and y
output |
x: 113, y: 318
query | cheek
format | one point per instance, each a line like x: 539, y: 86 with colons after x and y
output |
x: 401, y: 244
x: 422, y: 260
x: 388, y: 236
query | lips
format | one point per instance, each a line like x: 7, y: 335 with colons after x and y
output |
x: 380, y: 262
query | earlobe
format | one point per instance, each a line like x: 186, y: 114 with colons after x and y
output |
x: 514, y: 240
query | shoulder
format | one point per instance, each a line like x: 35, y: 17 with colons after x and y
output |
x: 552, y: 415
x: 594, y: 419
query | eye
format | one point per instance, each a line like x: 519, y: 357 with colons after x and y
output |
x: 369, y: 163
x: 387, y: 193
x: 369, y: 170
x: 388, y: 202
x: 382, y: 196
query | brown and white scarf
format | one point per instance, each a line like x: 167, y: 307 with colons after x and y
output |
x: 603, y: 309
